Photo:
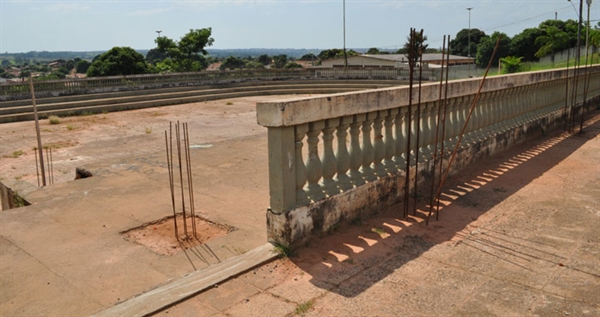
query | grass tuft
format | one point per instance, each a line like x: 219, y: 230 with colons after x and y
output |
x: 283, y: 251
x: 18, y: 153
x: 54, y: 119
x: 304, y: 307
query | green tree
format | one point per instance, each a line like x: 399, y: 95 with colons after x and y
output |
x: 292, y: 65
x: 460, y: 44
x: 511, y: 64
x: 154, y: 56
x: 264, y: 59
x: 5, y: 62
x: 419, y: 47
x: 309, y: 57
x: 280, y: 60
x: 373, y: 51
x: 485, y: 49
x: 232, y: 62
x: 24, y: 74
x: 118, y: 61
x: 523, y: 44
x: 82, y: 66
x: 254, y: 65
x: 187, y: 53
x: 553, y: 40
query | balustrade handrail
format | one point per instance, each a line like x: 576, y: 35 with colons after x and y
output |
x: 44, y: 88
x: 322, y: 146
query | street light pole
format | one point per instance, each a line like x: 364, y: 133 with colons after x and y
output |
x: 469, y: 41
x: 579, y: 32
x: 587, y: 30
x: 345, y: 55
x: 158, y: 32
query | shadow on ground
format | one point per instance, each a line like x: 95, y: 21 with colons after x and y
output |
x: 356, y: 256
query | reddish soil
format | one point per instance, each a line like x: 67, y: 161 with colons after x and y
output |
x: 160, y: 237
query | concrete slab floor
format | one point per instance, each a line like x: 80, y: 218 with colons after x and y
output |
x: 522, y: 242
x: 64, y: 254
x: 502, y: 247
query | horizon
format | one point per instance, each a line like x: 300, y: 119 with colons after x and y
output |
x: 91, y: 26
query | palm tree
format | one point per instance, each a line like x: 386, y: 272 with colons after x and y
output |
x: 554, y: 39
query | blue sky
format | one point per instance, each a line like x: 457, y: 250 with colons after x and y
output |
x: 84, y: 25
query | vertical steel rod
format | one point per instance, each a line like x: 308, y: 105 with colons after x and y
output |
x: 189, y: 177
x: 37, y: 168
x: 418, y: 127
x: 464, y: 128
x: 437, y: 129
x: 48, y: 163
x: 409, y: 125
x: 442, y: 149
x: 170, y: 171
x: 51, y: 167
x: 565, y: 114
x: 37, y: 130
x: 178, y: 136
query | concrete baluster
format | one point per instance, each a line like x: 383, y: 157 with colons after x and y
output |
x: 343, y: 157
x: 301, y: 197
x: 368, y: 152
x: 400, y: 132
x: 379, y: 144
x: 356, y: 158
x: 329, y: 162
x: 390, y: 143
x: 314, y: 166
x: 450, y: 120
x: 430, y: 131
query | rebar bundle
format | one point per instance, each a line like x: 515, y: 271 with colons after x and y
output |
x: 182, y: 147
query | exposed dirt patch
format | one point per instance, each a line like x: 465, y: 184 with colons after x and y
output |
x: 159, y: 236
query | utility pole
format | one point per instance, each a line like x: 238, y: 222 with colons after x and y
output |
x: 345, y: 55
x: 579, y: 32
x: 469, y: 45
x: 587, y: 30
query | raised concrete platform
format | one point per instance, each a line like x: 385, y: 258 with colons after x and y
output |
x: 527, y: 244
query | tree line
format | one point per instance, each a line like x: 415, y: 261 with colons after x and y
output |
x: 189, y: 53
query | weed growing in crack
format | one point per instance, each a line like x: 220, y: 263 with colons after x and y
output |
x: 304, y: 307
x: 283, y: 251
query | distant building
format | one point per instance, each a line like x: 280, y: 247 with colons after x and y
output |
x: 394, y: 61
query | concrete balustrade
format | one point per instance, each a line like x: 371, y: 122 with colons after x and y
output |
x: 76, y: 86
x: 343, y: 156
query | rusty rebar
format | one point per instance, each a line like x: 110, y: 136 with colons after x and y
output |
x: 574, y: 94
x: 565, y: 114
x: 51, y: 172
x: 418, y: 127
x: 409, y: 124
x: 442, y: 148
x: 37, y: 168
x: 37, y: 130
x: 586, y: 86
x: 462, y: 132
x: 437, y: 128
x: 48, y: 163
x: 189, y: 177
x: 170, y: 172
x: 178, y: 137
